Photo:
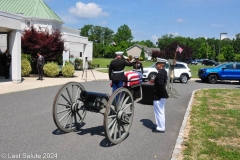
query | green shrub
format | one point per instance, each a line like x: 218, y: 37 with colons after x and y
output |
x: 26, y: 56
x: 68, y: 70
x: 90, y: 65
x: 51, y: 69
x: 25, y: 67
x: 78, y: 64
x: 141, y: 59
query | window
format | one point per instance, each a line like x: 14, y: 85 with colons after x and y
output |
x: 237, y: 66
x: 179, y: 66
x: 80, y: 54
x: 229, y: 66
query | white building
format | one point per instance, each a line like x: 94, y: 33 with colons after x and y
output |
x: 18, y: 15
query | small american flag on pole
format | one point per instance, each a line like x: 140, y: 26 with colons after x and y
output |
x: 179, y: 49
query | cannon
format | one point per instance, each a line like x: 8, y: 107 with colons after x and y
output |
x: 72, y: 102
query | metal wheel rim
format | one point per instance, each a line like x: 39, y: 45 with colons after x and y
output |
x: 184, y: 78
x: 213, y: 79
x: 68, y: 111
x: 118, y: 116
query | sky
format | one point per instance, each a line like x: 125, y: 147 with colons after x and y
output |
x: 151, y: 19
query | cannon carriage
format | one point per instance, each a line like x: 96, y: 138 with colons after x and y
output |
x: 72, y: 102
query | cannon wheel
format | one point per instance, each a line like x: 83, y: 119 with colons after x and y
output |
x: 118, y: 115
x: 68, y: 111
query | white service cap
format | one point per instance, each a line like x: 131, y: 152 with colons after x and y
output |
x: 119, y: 53
x: 160, y: 60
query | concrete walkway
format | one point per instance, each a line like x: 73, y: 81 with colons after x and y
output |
x: 6, y: 86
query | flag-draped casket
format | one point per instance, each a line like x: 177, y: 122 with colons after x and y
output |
x: 132, y: 78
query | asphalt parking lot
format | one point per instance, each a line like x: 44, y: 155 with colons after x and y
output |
x: 27, y: 127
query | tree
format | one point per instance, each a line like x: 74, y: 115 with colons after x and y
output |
x: 123, y: 33
x: 147, y: 43
x: 170, y: 52
x: 221, y: 58
x: 142, y: 54
x: 237, y: 57
x: 228, y: 52
x: 158, y: 54
x: 101, y: 37
x: 50, y: 45
x: 236, y: 43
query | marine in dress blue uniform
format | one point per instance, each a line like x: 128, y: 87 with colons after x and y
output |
x: 116, y: 71
x: 138, y: 67
x: 159, y: 96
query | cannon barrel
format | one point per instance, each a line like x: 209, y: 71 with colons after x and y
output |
x: 86, y: 96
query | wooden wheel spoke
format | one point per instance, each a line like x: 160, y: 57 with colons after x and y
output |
x: 119, y: 131
x: 112, y: 129
x: 77, y: 94
x: 67, y: 120
x: 125, y: 101
x: 121, y: 97
x: 71, y: 120
x: 112, y: 116
x: 73, y: 93
x: 113, y: 109
x: 115, y: 132
x: 65, y: 116
x: 69, y: 95
x: 63, y: 110
x: 66, y: 105
x: 127, y: 106
x: 121, y: 124
x: 111, y: 123
x: 66, y: 99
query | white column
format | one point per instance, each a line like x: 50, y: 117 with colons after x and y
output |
x: 15, y: 51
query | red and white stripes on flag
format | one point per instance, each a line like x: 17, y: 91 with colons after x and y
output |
x: 179, y: 49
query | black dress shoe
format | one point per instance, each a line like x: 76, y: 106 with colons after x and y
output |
x: 157, y: 131
x: 38, y: 79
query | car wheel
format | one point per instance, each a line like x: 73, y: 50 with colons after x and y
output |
x: 152, y: 76
x: 213, y: 79
x: 183, y: 78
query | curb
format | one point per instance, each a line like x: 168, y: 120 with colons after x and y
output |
x: 178, y: 145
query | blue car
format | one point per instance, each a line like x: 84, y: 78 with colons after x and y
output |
x: 225, y: 71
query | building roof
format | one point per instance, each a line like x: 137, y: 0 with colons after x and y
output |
x: 149, y: 50
x: 29, y: 8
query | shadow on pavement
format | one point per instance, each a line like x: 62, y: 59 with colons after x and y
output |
x: 59, y: 132
x: 220, y: 82
x: 93, y: 131
x: 148, y: 123
x: 106, y: 143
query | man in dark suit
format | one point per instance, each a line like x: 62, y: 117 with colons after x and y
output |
x: 40, y: 64
x: 7, y: 59
x: 159, y: 96
x: 116, y: 71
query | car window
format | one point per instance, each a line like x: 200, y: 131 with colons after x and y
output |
x: 154, y: 66
x: 181, y: 66
x: 237, y: 66
x: 229, y: 66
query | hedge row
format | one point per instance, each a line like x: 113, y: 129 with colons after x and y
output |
x: 51, y: 69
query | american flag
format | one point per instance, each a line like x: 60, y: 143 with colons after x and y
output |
x: 179, y: 49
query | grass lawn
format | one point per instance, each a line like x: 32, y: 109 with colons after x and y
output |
x: 106, y: 61
x: 214, y: 126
